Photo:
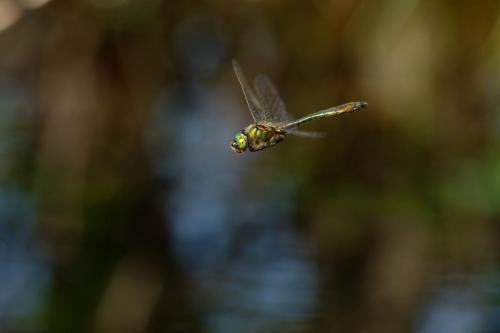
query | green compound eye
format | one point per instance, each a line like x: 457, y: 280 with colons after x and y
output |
x: 239, y: 142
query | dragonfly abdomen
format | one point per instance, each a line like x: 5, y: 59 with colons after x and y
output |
x: 344, y: 108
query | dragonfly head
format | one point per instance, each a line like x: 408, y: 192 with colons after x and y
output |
x: 239, y: 143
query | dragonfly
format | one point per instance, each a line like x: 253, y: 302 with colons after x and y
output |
x: 272, y: 122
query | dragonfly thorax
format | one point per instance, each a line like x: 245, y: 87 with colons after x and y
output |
x: 260, y: 136
x: 257, y: 137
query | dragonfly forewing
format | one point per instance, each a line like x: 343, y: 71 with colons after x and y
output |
x: 274, y: 107
x: 254, y: 105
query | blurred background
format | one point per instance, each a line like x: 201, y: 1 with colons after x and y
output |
x: 123, y: 209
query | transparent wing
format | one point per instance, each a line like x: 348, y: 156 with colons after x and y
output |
x: 274, y: 108
x: 307, y: 134
x: 254, y: 105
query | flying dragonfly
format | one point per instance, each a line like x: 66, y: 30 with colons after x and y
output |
x: 272, y: 123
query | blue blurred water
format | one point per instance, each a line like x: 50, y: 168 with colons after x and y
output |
x: 251, y: 271
x: 24, y: 273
